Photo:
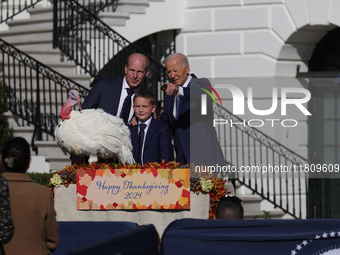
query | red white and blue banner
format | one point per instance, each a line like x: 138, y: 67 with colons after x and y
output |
x: 255, y: 237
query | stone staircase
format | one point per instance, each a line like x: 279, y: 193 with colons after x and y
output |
x: 254, y: 205
x: 253, y: 210
x: 34, y: 36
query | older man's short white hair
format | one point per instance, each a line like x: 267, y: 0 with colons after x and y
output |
x: 184, y: 58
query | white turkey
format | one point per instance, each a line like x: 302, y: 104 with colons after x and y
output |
x: 93, y: 133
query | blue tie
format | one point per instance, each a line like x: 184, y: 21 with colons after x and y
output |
x: 142, y: 126
x: 177, y: 106
x: 125, y: 113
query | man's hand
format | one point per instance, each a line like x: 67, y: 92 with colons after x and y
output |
x: 133, y: 121
x: 171, y: 89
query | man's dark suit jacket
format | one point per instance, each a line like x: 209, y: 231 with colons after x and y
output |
x: 105, y: 94
x: 157, y: 143
x: 195, y: 137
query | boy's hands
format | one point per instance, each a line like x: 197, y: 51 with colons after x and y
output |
x: 133, y: 121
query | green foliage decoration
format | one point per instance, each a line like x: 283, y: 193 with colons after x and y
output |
x: 266, y: 215
x: 40, y: 178
x: 6, y: 132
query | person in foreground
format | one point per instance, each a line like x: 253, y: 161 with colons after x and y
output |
x: 151, y: 140
x: 6, y: 225
x: 33, y: 214
x: 229, y: 207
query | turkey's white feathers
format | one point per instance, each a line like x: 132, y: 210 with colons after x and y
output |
x: 95, y: 133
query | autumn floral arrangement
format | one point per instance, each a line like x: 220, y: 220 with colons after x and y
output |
x: 212, y: 185
x: 200, y: 183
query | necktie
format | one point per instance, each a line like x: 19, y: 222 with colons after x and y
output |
x: 124, y: 114
x: 142, y: 126
x: 177, y: 106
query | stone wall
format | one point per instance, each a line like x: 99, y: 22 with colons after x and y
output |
x: 253, y: 38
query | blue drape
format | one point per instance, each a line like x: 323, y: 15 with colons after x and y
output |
x: 142, y: 241
x: 75, y: 234
x: 256, y: 237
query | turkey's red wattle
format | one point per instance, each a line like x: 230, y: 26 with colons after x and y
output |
x: 67, y: 108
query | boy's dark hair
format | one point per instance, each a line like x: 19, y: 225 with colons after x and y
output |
x: 230, y: 207
x: 147, y: 94
x: 16, y: 155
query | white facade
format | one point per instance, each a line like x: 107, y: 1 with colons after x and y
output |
x: 265, y: 41
x: 248, y: 43
x: 240, y: 38
x: 253, y: 39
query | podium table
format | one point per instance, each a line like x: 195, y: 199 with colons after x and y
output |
x: 65, y: 204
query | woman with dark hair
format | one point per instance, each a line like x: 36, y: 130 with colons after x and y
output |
x: 16, y: 155
x: 6, y: 226
x: 33, y: 214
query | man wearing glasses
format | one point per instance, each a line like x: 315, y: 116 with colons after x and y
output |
x: 115, y: 96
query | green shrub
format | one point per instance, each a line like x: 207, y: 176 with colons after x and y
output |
x: 6, y: 132
x: 40, y: 178
x: 266, y: 215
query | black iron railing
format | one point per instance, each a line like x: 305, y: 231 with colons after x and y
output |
x: 36, y: 92
x: 92, y: 44
x: 79, y: 34
x: 263, y: 165
x: 8, y: 9
x: 96, y: 6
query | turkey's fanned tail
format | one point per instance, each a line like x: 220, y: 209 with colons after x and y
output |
x: 95, y: 133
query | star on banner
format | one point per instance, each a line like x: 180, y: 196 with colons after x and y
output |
x: 324, y: 235
x: 299, y: 247
x: 304, y: 242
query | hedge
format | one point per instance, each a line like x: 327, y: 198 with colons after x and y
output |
x: 41, y: 178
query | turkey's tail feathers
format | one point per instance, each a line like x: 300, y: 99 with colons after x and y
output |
x: 94, y: 132
x: 125, y: 155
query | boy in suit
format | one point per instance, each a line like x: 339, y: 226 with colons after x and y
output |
x: 151, y: 140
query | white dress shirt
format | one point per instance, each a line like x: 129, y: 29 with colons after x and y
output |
x: 123, y: 95
x: 180, y: 93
